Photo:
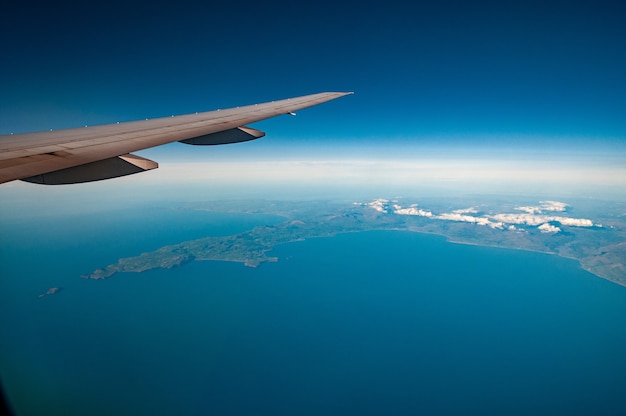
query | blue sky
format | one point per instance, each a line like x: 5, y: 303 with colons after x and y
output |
x: 475, y: 80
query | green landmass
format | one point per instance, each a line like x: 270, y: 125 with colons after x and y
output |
x: 600, y: 250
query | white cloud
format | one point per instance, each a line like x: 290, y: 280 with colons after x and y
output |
x: 575, y: 222
x: 554, y: 206
x: 529, y: 210
x: 466, y: 211
x: 411, y: 211
x: 548, y: 229
x: 386, y: 206
x: 535, y: 220
x: 527, y: 219
x: 468, y: 218
x: 380, y: 205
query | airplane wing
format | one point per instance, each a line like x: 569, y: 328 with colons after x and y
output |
x: 103, y: 152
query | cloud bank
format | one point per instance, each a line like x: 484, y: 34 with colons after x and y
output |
x: 453, y: 216
x: 531, y: 216
x: 386, y: 206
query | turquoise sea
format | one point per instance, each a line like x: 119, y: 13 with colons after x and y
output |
x: 366, y: 323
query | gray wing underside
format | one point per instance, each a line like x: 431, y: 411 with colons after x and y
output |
x: 102, y: 152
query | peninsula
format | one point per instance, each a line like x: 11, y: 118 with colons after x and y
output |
x: 600, y: 248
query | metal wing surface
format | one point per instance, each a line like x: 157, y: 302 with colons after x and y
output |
x: 102, y: 152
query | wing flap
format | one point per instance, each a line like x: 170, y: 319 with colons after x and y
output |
x: 114, y: 167
x: 237, y: 135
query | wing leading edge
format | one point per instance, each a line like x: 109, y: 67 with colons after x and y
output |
x: 103, y: 152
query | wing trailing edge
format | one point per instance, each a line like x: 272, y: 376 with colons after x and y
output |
x: 113, y: 167
x: 236, y: 135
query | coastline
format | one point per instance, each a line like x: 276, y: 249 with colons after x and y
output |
x: 600, y: 257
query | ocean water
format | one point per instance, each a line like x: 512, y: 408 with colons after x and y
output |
x: 364, y: 323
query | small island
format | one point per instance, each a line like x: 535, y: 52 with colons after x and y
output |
x: 51, y: 291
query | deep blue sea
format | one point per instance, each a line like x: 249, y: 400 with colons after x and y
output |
x: 373, y: 323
